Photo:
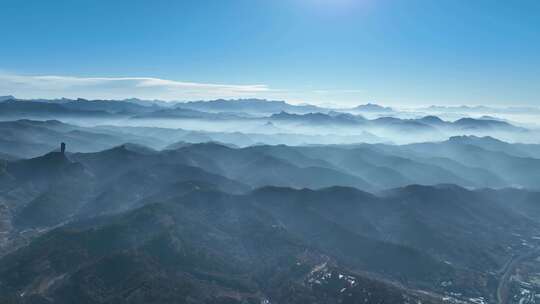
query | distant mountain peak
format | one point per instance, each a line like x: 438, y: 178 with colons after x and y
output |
x: 55, y: 156
x: 473, y: 138
x: 476, y: 123
x: 7, y: 97
x: 131, y: 147
x: 431, y: 119
x: 372, y: 107
x: 48, y: 165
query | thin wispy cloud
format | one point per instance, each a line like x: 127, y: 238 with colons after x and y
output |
x: 52, y: 86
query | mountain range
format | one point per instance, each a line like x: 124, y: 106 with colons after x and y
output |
x: 261, y: 117
x: 254, y: 201
x: 145, y: 211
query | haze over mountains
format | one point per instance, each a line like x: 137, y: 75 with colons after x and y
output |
x: 254, y: 201
x: 262, y: 120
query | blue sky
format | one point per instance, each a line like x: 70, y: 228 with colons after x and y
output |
x: 395, y: 52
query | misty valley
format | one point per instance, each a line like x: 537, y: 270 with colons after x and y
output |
x: 258, y: 201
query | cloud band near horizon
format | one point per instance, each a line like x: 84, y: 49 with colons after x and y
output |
x: 52, y: 86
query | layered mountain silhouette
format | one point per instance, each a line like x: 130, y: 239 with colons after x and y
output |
x: 291, y: 124
x: 256, y: 201
x: 195, y: 217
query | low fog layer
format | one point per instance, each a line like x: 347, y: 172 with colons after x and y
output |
x: 249, y: 122
x: 369, y: 147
